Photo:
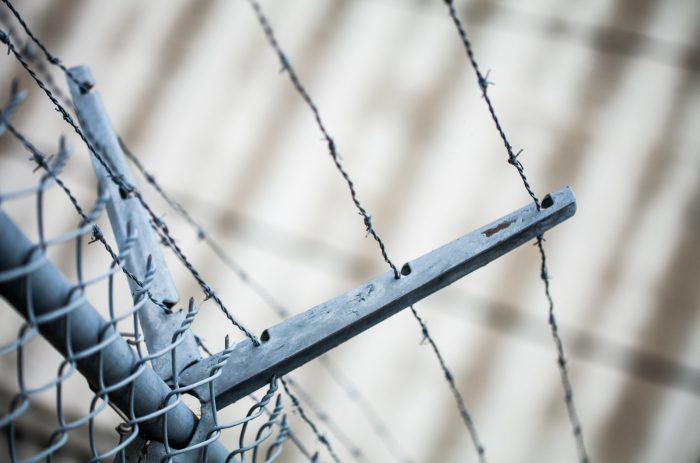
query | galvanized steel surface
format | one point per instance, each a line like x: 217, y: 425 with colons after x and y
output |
x: 601, y: 95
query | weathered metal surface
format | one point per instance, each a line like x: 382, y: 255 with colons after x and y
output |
x: 44, y: 296
x: 158, y: 326
x: 308, y: 335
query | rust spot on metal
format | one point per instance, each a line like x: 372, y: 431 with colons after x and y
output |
x: 497, y: 228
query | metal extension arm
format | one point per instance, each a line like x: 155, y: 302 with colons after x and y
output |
x: 158, y: 326
x: 310, y: 334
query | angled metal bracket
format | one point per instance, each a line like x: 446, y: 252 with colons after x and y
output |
x: 158, y: 326
x: 310, y: 334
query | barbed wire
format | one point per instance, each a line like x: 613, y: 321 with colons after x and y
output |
x: 380, y: 428
x: 162, y: 230
x: 27, y: 50
x: 185, y: 214
x: 129, y: 430
x: 130, y: 191
x: 169, y: 241
x: 41, y: 160
x: 483, y: 82
x: 77, y: 347
x: 83, y: 86
x: 332, y: 150
x: 301, y: 90
x: 202, y: 234
x: 303, y: 415
x: 463, y: 412
x: 354, y: 449
x: 52, y: 165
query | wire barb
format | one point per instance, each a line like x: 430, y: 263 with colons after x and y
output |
x: 332, y: 150
x: 380, y: 428
x: 483, y: 82
x: 161, y: 228
x: 296, y: 82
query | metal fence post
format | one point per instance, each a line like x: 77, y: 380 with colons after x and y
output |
x: 158, y: 326
x: 45, y: 297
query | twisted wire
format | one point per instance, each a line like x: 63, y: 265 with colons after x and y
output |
x: 242, y: 274
x: 105, y: 336
x: 100, y: 400
x: 264, y: 432
x: 276, y: 448
x: 162, y: 230
x: 482, y: 80
x: 512, y: 159
x: 354, y: 450
x: 159, y: 225
x: 297, y: 406
x: 459, y: 399
x: 296, y: 82
x: 27, y: 50
x: 84, y: 86
x: 42, y: 161
x: 380, y: 428
x: 260, y: 403
x: 332, y: 150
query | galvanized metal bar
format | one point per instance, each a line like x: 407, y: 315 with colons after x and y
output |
x: 50, y: 291
x: 310, y: 334
x: 158, y: 326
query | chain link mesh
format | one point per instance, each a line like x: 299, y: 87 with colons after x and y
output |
x: 100, y: 399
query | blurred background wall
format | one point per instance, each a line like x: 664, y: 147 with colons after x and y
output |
x: 601, y: 95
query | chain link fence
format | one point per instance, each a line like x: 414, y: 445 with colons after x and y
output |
x: 141, y: 368
x: 103, y: 342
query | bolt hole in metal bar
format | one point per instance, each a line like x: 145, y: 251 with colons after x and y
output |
x: 299, y: 339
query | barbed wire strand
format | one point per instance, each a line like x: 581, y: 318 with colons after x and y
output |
x: 332, y: 426
x: 41, y: 160
x: 84, y: 86
x: 162, y: 229
x: 377, y: 425
x: 28, y: 51
x: 296, y: 82
x: 483, y: 82
x: 302, y: 414
x: 227, y: 260
x: 380, y: 428
x: 350, y: 390
x: 130, y: 190
x: 297, y: 442
x: 463, y: 412
x: 332, y: 150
